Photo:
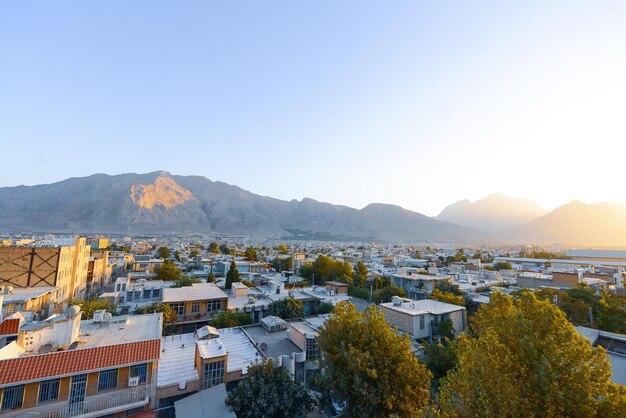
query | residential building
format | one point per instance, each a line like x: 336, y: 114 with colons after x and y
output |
x: 34, y: 303
x: 62, y: 267
x: 417, y: 285
x: 195, y: 305
x: 97, y: 243
x: 67, y: 367
x: 421, y: 318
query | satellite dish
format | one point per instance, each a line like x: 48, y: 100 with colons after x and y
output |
x: 73, y: 346
x: 45, y: 349
x: 263, y: 346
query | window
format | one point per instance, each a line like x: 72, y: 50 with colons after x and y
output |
x: 137, y: 294
x: 140, y: 370
x: 311, y: 349
x: 156, y: 293
x: 129, y: 296
x: 213, y: 374
x: 213, y: 306
x: 422, y: 322
x: 48, y: 390
x: 179, y: 308
x: 12, y: 397
x: 146, y: 293
x: 107, y: 380
x: 195, y: 307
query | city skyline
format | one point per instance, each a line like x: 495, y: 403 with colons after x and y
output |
x: 418, y: 105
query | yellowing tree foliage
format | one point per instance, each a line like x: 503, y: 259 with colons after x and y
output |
x: 523, y: 358
x: 367, y: 365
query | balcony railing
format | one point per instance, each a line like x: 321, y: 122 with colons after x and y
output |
x: 91, y: 408
x: 193, y: 317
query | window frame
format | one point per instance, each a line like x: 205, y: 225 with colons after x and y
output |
x: 213, y: 374
x: 135, y: 371
x: 17, y: 403
x: 107, y: 387
x: 48, y: 389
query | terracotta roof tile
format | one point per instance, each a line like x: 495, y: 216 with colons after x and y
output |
x: 9, y: 326
x: 34, y: 367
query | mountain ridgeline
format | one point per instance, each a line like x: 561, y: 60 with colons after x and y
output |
x: 162, y: 203
x: 159, y: 202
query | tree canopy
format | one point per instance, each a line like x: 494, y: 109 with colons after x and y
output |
x: 214, y: 248
x: 269, y: 392
x: 360, y: 274
x: 228, y: 319
x: 169, y: 316
x: 251, y: 254
x: 521, y: 357
x: 163, y: 252
x: 89, y: 306
x: 186, y: 281
x: 287, y: 308
x: 232, y: 275
x: 167, y: 271
x: 368, y: 366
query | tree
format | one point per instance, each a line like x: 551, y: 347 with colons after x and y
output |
x: 269, y: 392
x: 360, y: 274
x: 211, y: 276
x: 502, y: 265
x: 282, y: 248
x: 371, y: 368
x: 251, y: 254
x: 214, y: 248
x: 523, y: 358
x: 186, y: 281
x: 232, y: 275
x: 89, y: 306
x: 163, y: 252
x: 282, y: 264
x: 194, y: 254
x: 228, y: 319
x: 385, y: 294
x: 447, y: 297
x: 167, y: 271
x: 441, y: 357
x: 169, y: 316
x: 287, y: 308
x: 324, y: 308
x: 224, y: 249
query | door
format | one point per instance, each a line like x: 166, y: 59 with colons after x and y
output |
x: 77, y: 392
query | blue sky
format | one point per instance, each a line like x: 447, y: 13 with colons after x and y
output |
x: 414, y: 103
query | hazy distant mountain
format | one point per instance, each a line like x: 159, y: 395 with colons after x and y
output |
x: 493, y: 214
x: 576, y: 223
x: 160, y: 202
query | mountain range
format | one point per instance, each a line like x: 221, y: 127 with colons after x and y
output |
x: 160, y: 202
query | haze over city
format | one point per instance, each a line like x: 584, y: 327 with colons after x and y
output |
x: 413, y: 104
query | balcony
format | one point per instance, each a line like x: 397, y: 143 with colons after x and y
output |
x: 196, y: 317
x: 93, y: 406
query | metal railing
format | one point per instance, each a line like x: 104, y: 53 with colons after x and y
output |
x: 90, y: 406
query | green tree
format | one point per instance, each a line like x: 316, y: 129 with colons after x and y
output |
x: 360, y: 274
x: 447, y: 297
x: 523, y: 358
x: 163, y: 252
x: 167, y: 271
x: 287, y: 308
x: 325, y: 308
x: 211, y: 277
x: 214, y: 248
x: 224, y: 249
x: 229, y: 319
x: 269, y: 392
x: 186, y: 281
x: 232, y: 275
x: 441, y: 357
x: 371, y: 368
x: 282, y: 264
x: 251, y: 254
x: 169, y: 316
x: 502, y: 265
x: 89, y: 306
x: 282, y: 248
x: 194, y: 254
x: 385, y: 294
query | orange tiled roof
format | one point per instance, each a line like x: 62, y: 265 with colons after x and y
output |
x: 9, y: 326
x: 33, y: 367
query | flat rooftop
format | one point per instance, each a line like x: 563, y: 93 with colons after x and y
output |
x: 424, y: 306
x: 197, y: 291
x: 418, y: 276
x: 20, y: 294
x: 120, y: 330
x: 271, y: 344
x: 177, y: 360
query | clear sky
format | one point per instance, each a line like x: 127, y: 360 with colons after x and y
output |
x: 414, y: 103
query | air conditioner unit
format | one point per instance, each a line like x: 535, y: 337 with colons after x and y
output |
x: 133, y: 381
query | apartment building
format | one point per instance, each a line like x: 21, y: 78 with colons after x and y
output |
x: 195, y: 305
x: 67, y: 367
x: 34, y: 303
x: 97, y: 243
x: 63, y: 267
x: 417, y: 285
x: 421, y: 318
